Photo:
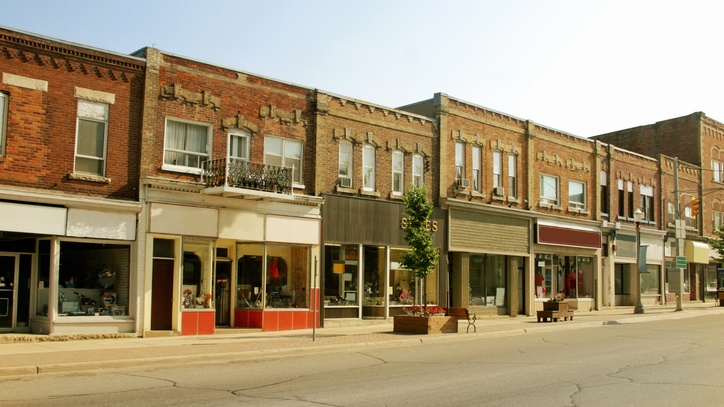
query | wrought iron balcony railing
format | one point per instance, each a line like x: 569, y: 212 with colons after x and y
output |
x: 238, y: 173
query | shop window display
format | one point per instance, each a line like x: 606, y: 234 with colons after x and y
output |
x: 487, y: 280
x: 94, y: 279
x: 285, y: 284
x: 567, y: 276
x: 402, y: 283
x: 374, y: 276
x: 341, y: 275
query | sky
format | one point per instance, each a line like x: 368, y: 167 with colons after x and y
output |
x: 582, y: 67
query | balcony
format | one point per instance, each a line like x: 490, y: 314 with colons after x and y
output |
x: 237, y: 177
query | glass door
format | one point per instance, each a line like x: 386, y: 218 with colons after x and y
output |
x: 8, y: 293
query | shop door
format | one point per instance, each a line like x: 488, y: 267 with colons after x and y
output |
x: 162, y: 295
x: 8, y: 292
x: 622, y: 286
x: 223, y: 292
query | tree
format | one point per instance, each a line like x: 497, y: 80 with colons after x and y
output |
x: 423, y: 256
x: 717, y: 243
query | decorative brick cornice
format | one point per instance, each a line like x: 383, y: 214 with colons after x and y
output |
x: 574, y: 166
x: 547, y: 158
x: 284, y: 116
x: 204, y: 98
x: 239, y: 122
x: 508, y: 148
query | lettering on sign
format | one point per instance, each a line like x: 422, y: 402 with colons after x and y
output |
x: 429, y: 225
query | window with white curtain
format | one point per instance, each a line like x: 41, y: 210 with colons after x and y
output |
x: 549, y: 189
x: 3, y: 121
x: 513, y: 176
x: 187, y: 145
x: 239, y: 145
x: 345, y: 159
x: 576, y: 194
x: 477, y: 171
x: 90, y: 143
x: 284, y: 152
x: 418, y: 169
x: 459, y: 160
x: 647, y: 201
x: 398, y: 172
x: 497, y: 169
x: 368, y: 168
x: 717, y: 169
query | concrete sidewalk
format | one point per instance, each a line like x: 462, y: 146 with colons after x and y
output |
x: 37, y: 357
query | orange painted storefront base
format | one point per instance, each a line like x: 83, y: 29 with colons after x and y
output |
x: 198, y: 322
x: 278, y: 319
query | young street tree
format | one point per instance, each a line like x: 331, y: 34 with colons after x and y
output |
x: 717, y: 243
x: 422, y: 258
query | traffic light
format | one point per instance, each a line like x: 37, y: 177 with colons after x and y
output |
x: 695, y: 202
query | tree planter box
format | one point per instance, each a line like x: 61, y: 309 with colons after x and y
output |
x: 555, y: 306
x: 407, y: 324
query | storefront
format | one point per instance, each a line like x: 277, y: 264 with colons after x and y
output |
x: 488, y: 257
x: 238, y: 264
x: 626, y: 271
x: 362, y: 275
x: 67, y: 270
x: 567, y: 264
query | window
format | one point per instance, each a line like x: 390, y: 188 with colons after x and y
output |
x: 548, y: 189
x: 398, y: 171
x: 513, y: 176
x: 187, y: 145
x: 284, y: 152
x: 629, y: 187
x: 90, y: 148
x: 368, y: 168
x: 459, y: 160
x: 670, y: 213
x: 717, y: 220
x: 345, y: 162
x: 3, y: 121
x: 576, y: 195
x: 717, y: 168
x: 604, y: 193
x: 647, y: 202
x: 418, y: 168
x: 497, y: 169
x: 621, y: 199
x: 477, y: 173
x: 239, y: 145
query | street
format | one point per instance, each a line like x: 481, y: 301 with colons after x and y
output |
x: 662, y: 362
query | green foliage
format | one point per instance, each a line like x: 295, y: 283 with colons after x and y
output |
x: 717, y: 243
x: 423, y: 256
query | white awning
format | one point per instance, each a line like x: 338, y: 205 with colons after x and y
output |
x: 696, y: 252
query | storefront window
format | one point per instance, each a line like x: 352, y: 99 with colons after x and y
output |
x: 579, y: 276
x: 341, y: 275
x: 487, y: 280
x: 650, y: 281
x: 249, y: 291
x: 93, y: 278
x: 374, y: 275
x: 287, y: 276
x: 195, y: 282
x: 43, y: 277
x: 402, y: 282
x: 710, y: 278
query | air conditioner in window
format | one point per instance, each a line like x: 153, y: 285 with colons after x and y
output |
x: 345, y: 182
x: 464, y: 183
x: 498, y: 191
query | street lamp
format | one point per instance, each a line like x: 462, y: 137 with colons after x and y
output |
x: 638, y: 217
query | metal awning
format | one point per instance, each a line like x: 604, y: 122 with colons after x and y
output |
x: 696, y: 252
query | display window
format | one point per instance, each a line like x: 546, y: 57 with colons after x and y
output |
x: 566, y: 276
x: 650, y: 281
x: 374, y: 267
x: 403, y: 286
x: 272, y: 276
x: 341, y: 275
x: 93, y: 279
x: 196, y: 287
x: 488, y: 279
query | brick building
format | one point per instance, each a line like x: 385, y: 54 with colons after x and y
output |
x: 69, y: 159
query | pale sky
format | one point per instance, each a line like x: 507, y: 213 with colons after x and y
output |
x: 583, y: 67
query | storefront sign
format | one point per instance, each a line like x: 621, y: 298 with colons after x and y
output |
x: 429, y: 225
x: 568, y: 237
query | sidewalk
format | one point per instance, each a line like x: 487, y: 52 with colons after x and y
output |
x: 39, y: 357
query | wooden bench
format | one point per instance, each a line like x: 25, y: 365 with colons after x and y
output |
x: 554, y: 316
x: 463, y: 313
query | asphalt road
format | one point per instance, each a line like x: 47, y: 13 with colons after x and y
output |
x: 656, y: 363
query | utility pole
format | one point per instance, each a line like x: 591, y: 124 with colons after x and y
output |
x: 680, y: 234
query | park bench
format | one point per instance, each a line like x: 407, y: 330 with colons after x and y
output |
x: 463, y: 313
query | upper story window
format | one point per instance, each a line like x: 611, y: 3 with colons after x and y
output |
x: 187, y: 145
x: 630, y: 199
x: 3, y: 122
x: 621, y: 199
x: 717, y: 220
x: 284, y: 152
x: 344, y: 169
x: 577, y: 195
x: 368, y: 168
x: 239, y: 145
x: 477, y: 170
x: 717, y: 169
x: 398, y: 172
x: 497, y: 169
x: 549, y: 189
x: 604, y: 193
x: 647, y: 202
x: 459, y: 160
x: 92, y: 133
x: 418, y: 169
x: 513, y: 176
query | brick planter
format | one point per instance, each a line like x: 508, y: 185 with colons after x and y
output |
x: 407, y: 324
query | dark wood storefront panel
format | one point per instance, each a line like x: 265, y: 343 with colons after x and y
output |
x: 488, y: 233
